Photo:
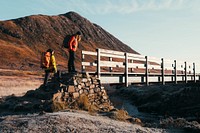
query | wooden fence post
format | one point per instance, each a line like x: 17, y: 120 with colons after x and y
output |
x: 82, y: 59
x: 194, y: 72
x: 126, y: 69
x: 110, y: 68
x: 132, y: 70
x: 98, y: 63
x: 185, y: 72
x: 175, y: 72
x: 147, y: 71
x: 163, y: 71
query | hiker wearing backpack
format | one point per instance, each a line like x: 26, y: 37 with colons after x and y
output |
x: 73, y: 45
x: 48, y: 62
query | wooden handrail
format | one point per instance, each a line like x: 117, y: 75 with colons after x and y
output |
x: 133, y: 63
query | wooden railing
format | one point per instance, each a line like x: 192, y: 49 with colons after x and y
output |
x: 127, y: 67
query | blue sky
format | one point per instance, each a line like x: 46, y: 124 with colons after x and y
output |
x: 159, y: 28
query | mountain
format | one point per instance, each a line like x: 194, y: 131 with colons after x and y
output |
x: 22, y: 40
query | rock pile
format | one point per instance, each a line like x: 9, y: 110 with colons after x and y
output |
x: 71, y: 91
x: 81, y: 91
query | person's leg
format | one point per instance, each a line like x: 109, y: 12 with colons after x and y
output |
x: 69, y: 66
x: 57, y: 75
x: 46, y: 77
x: 73, y: 60
x: 70, y: 61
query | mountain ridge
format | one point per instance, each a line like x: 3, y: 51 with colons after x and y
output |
x: 23, y: 39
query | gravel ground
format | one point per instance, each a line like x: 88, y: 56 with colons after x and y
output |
x: 62, y: 122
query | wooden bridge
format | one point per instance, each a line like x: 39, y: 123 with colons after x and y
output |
x: 128, y: 68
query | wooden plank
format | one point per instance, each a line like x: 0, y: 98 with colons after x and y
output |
x: 112, y: 52
x: 169, y: 68
x: 155, y: 74
x: 157, y: 67
x: 180, y: 62
x: 190, y: 74
x: 120, y: 64
x: 130, y: 55
x: 89, y: 53
x: 179, y: 68
x: 137, y: 59
x: 154, y: 59
x: 113, y: 55
x: 112, y: 64
x: 136, y: 65
x: 169, y: 61
x: 178, y: 75
x: 122, y: 73
x: 121, y: 55
x: 89, y: 64
x: 112, y: 73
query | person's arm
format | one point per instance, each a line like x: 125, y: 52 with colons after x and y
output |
x: 71, y: 42
x: 54, y: 63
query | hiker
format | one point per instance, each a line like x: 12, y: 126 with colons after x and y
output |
x: 49, y: 65
x: 73, y: 44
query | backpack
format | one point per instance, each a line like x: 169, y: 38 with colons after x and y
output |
x: 45, y: 60
x: 66, y: 41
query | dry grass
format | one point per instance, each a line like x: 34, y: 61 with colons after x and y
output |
x: 84, y: 103
x: 18, y: 82
x: 9, y: 72
x: 18, y: 85
x: 121, y: 115
x: 57, y: 106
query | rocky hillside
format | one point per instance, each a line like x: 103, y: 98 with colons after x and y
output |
x: 22, y: 40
